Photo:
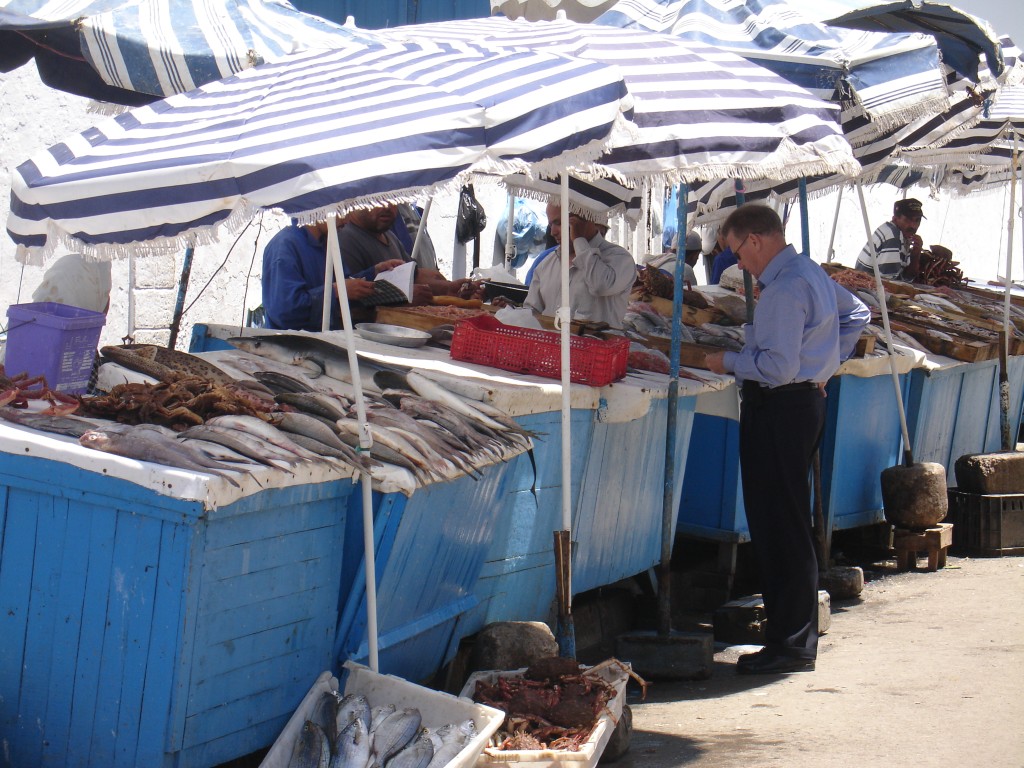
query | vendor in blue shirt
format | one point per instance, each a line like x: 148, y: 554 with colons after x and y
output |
x: 294, y: 263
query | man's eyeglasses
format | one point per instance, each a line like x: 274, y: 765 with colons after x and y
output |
x: 736, y: 250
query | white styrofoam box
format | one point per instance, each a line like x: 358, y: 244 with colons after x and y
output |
x: 614, y: 672
x: 436, y: 708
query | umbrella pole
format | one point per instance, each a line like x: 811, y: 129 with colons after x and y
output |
x: 509, y: 245
x: 748, y: 281
x: 835, y: 225
x: 908, y: 455
x: 1004, y: 342
x: 668, y: 508
x: 566, y: 634
x: 421, y: 229
x: 179, y: 302
x: 365, y: 441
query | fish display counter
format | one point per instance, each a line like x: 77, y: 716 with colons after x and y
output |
x: 456, y: 554
x: 154, y: 616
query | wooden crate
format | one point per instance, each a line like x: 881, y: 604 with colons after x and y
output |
x: 690, y: 354
x: 990, y: 525
x: 410, y: 317
x: 964, y: 349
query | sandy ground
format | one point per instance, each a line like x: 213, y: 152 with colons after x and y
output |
x: 925, y: 669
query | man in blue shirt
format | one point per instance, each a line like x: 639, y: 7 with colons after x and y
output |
x: 294, y: 263
x: 791, y: 349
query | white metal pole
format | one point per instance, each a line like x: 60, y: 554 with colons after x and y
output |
x: 880, y: 288
x: 365, y: 444
x: 563, y: 321
x: 835, y: 225
x: 421, y: 229
x: 510, y: 247
x: 1009, y: 246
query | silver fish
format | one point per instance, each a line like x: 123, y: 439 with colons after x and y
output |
x: 302, y: 424
x: 323, y: 714
x: 393, y: 733
x: 391, y: 440
x: 261, y: 429
x: 145, y: 447
x: 310, y: 352
x: 378, y: 714
x: 416, y: 754
x: 353, y: 706
x: 59, y: 425
x: 429, y: 389
x: 250, y: 447
x: 308, y: 402
x: 311, y: 748
x: 379, y: 451
x: 353, y: 747
x: 445, y: 753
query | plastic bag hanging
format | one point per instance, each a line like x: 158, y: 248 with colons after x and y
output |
x: 472, y: 219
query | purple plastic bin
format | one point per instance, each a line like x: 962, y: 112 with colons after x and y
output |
x: 57, y: 341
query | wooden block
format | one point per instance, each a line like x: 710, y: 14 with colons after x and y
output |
x: 865, y: 345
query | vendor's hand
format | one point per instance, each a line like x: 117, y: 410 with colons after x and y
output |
x: 421, y: 294
x: 502, y: 301
x: 387, y: 266
x: 465, y: 288
x: 357, y: 288
x: 915, y: 244
x: 715, y: 362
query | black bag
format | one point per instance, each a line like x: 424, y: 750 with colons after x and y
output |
x: 471, y: 219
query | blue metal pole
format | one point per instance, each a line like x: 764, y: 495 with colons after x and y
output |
x: 668, y: 509
x: 179, y: 303
x: 748, y: 281
x: 805, y: 225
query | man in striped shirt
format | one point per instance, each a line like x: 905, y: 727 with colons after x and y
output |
x: 897, y: 243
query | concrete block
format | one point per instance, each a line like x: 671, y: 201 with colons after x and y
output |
x: 842, y: 582
x: 990, y: 473
x: 743, y: 621
x: 675, y: 656
x: 156, y: 272
x: 154, y: 308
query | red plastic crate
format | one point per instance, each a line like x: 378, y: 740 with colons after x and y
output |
x: 486, y: 341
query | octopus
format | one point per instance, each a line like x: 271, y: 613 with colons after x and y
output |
x: 178, y: 404
x: 552, y: 705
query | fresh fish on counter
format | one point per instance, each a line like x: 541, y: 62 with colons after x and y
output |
x: 393, y: 733
x: 312, y: 749
x: 251, y: 447
x: 378, y: 714
x: 261, y: 429
x: 427, y: 443
x: 431, y: 465
x: 323, y: 715
x: 379, y: 451
x: 416, y: 754
x: 938, y: 301
x: 279, y: 383
x: 315, y: 403
x: 147, y: 446
x: 868, y: 298
x: 309, y: 352
x: 72, y: 426
x: 352, y: 749
x: 351, y: 707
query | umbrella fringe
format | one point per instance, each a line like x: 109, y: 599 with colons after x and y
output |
x: 899, y: 116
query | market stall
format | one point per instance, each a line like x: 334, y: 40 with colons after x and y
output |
x: 456, y: 555
x: 153, y: 616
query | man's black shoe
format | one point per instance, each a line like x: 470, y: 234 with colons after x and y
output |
x: 772, y: 664
x: 749, y: 658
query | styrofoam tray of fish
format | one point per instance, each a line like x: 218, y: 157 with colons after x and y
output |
x: 614, y: 672
x: 382, y: 719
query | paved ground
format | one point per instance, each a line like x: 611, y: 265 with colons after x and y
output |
x: 925, y: 669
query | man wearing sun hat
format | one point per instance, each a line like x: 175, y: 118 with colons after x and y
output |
x: 897, y: 243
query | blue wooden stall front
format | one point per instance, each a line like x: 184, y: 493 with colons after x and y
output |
x: 862, y: 437
x: 138, y: 629
x: 954, y: 410
x: 618, y: 487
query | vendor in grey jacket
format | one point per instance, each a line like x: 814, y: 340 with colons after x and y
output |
x: 601, y: 274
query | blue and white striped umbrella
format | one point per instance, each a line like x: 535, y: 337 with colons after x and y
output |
x: 315, y: 133
x: 892, y: 78
x: 702, y: 113
x: 164, y: 47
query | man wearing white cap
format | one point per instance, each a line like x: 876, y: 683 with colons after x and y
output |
x: 665, y: 261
